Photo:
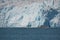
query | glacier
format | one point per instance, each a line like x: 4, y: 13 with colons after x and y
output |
x: 31, y: 16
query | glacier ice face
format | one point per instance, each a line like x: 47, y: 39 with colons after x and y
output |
x: 33, y: 15
x: 55, y: 22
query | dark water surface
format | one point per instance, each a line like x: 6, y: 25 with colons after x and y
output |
x: 29, y: 34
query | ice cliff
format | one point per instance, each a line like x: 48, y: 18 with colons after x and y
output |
x: 33, y: 15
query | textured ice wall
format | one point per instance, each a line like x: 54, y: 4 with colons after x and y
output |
x: 35, y: 14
